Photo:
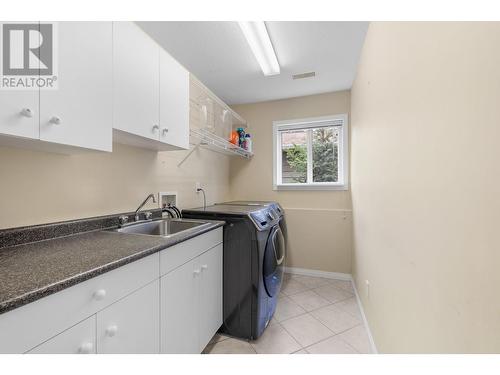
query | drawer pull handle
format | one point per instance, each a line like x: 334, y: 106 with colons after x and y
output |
x: 204, y: 267
x: 111, y: 331
x: 99, y: 294
x: 86, y: 348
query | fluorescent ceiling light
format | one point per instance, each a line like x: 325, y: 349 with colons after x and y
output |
x: 260, y: 43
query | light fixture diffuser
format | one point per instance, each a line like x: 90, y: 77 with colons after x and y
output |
x: 258, y: 38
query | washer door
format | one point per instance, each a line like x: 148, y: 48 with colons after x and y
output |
x: 274, y: 261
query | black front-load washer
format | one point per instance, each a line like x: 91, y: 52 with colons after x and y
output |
x: 254, y: 260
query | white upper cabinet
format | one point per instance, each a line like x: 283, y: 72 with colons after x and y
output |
x: 151, y: 92
x: 79, y: 112
x: 18, y: 109
x: 110, y: 76
x: 174, y: 102
x: 19, y: 113
x: 136, y: 80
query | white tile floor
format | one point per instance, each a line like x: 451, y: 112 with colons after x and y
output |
x: 314, y: 316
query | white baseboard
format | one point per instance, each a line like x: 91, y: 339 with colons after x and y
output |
x: 337, y: 276
x: 317, y: 273
x: 363, y: 316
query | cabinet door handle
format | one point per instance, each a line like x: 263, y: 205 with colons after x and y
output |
x: 111, y: 330
x: 204, y: 267
x: 86, y: 348
x: 55, y: 120
x: 196, y: 272
x: 155, y: 128
x: 99, y: 294
x: 26, y: 112
x: 164, y: 131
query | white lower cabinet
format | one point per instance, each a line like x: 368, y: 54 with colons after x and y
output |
x: 131, y: 325
x: 79, y: 339
x: 180, y: 309
x: 210, y: 316
x: 169, y: 302
x: 191, y: 303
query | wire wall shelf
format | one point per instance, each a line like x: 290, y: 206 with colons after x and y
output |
x: 206, y: 139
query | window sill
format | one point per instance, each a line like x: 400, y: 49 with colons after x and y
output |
x: 311, y: 187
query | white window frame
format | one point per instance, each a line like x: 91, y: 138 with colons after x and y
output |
x: 306, y: 123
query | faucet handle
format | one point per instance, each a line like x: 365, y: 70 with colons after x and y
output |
x: 148, y: 215
x: 123, y: 219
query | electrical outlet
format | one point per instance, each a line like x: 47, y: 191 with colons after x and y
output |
x: 197, y: 186
x: 367, y: 284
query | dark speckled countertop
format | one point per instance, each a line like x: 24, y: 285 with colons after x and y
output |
x: 34, y: 270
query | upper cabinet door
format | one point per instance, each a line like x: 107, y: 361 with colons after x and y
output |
x: 18, y: 108
x: 174, y: 102
x: 79, y: 111
x: 135, y: 81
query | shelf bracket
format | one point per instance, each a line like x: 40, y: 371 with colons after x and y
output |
x: 189, y: 154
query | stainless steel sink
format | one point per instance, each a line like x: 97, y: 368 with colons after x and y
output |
x: 163, y: 227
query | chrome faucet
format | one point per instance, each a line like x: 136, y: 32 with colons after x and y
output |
x: 147, y: 214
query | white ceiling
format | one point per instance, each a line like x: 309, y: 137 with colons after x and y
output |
x: 218, y: 54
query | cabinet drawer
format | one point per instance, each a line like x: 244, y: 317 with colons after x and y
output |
x: 79, y: 339
x: 177, y: 255
x: 27, y: 326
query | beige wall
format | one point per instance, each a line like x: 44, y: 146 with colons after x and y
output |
x: 319, y: 222
x: 39, y: 187
x: 425, y: 173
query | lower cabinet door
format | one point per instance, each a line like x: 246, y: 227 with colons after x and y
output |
x: 132, y: 324
x: 180, y: 309
x: 210, y: 316
x: 79, y: 339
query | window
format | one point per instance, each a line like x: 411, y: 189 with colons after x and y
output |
x: 311, y: 154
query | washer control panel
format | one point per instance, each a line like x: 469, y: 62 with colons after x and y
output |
x: 265, y: 218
